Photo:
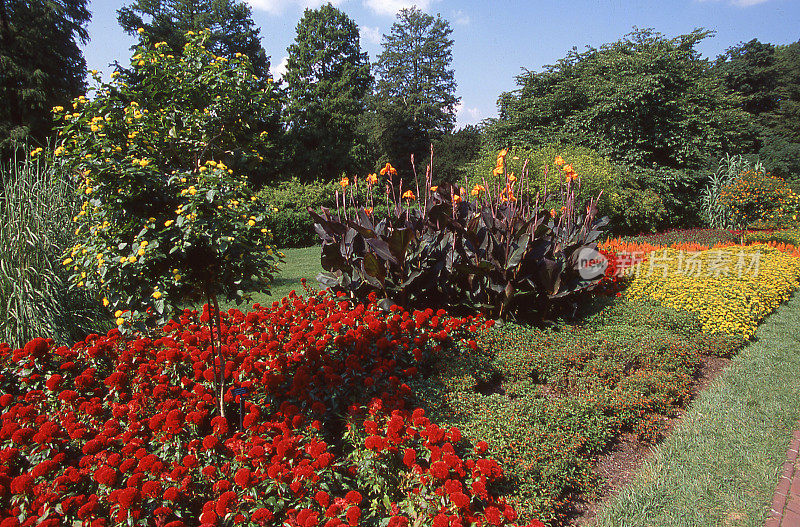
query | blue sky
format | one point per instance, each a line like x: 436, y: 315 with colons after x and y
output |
x: 495, y: 40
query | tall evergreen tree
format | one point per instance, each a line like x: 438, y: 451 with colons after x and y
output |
x: 41, y: 65
x: 230, y: 21
x: 327, y: 77
x: 415, y: 96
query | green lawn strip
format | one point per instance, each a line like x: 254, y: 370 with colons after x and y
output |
x: 298, y: 263
x: 722, y: 463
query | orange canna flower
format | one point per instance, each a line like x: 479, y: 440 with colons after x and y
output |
x: 559, y: 161
x: 372, y: 179
x: 567, y: 168
x: 408, y: 195
x: 512, y: 178
x: 368, y: 210
x: 503, y: 153
x: 456, y: 199
x: 344, y: 182
x: 434, y: 188
x: 552, y: 213
x: 477, y: 189
x: 388, y: 169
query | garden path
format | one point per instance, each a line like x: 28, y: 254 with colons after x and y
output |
x: 785, y: 510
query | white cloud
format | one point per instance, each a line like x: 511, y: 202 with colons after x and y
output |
x: 466, y: 115
x: 279, y: 70
x: 391, y: 7
x: 461, y: 18
x: 370, y: 35
x: 276, y: 7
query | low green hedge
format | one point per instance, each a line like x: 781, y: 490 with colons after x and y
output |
x: 287, y: 202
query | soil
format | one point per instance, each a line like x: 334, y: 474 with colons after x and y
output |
x: 620, y: 464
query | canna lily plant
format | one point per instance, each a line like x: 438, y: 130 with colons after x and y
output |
x: 503, y: 248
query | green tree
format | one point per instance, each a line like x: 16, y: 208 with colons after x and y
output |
x: 327, y: 78
x: 767, y: 78
x: 453, y: 151
x: 230, y: 21
x: 646, y: 101
x: 415, y: 98
x: 41, y: 65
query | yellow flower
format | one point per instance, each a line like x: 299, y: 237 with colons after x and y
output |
x: 168, y: 223
x: 120, y: 321
x: 140, y: 252
x: 105, y: 302
x: 35, y: 152
x: 131, y: 259
x: 372, y: 179
x: 67, y: 261
x: 251, y: 223
x: 434, y: 188
x: 192, y: 190
x: 157, y: 295
x: 140, y: 30
x: 559, y: 161
x: 344, y: 182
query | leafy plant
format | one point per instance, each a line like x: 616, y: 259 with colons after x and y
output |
x: 497, y: 249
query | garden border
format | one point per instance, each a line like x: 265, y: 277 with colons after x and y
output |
x: 785, y: 510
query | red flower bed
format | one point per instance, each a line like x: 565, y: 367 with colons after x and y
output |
x: 117, y: 431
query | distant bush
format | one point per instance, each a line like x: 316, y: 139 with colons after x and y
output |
x: 788, y: 236
x: 629, y: 202
x: 286, y: 205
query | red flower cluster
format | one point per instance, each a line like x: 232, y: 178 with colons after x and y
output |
x: 115, y: 431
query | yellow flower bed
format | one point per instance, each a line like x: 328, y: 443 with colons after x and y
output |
x: 730, y: 289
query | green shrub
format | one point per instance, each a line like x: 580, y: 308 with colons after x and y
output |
x: 788, y: 236
x: 37, y: 204
x: 630, y: 202
x: 758, y: 200
x: 286, y: 204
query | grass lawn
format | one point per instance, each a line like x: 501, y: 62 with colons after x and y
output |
x: 721, y: 464
x: 299, y: 263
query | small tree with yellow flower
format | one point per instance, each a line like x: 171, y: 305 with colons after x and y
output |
x: 758, y: 199
x: 165, y: 218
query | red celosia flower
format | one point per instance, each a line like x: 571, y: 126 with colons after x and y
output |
x: 353, y: 515
x: 242, y: 477
x: 22, y: 484
x: 409, y: 457
x: 492, y: 514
